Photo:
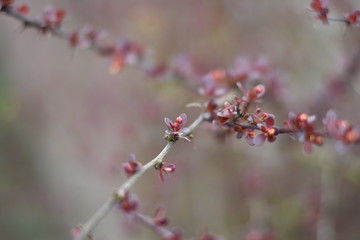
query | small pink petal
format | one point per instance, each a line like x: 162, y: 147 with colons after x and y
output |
x: 184, y: 119
x: 185, y: 130
x: 169, y: 168
x: 270, y: 120
x: 291, y: 116
x: 259, y: 140
x: 239, y: 135
x: 132, y: 157
x: 250, y: 141
x: 168, y: 122
x: 311, y: 119
x: 260, y: 90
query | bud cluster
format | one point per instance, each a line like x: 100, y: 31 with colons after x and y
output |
x: 258, y: 126
x: 176, y: 129
x: 320, y: 8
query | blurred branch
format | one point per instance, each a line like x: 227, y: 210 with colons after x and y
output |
x: 120, y: 192
x: 163, y: 232
x: 55, y: 31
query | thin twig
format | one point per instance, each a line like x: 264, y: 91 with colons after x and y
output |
x: 119, y: 193
x: 254, y: 127
x: 57, y: 31
x: 159, y: 230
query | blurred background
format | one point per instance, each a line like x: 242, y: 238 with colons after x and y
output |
x: 67, y: 125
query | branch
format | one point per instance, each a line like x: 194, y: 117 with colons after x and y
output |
x: 254, y: 127
x: 159, y: 230
x: 55, y: 31
x: 120, y: 192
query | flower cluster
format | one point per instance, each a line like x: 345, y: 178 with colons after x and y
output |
x: 303, y: 128
x: 86, y: 37
x: 217, y: 82
x: 266, y: 124
x: 164, y: 168
x: 259, y: 126
x: 52, y: 18
x: 261, y: 121
x: 129, y: 203
x: 340, y: 130
x: 237, y: 117
x: 5, y: 3
x: 353, y: 18
x: 320, y: 8
x: 23, y: 9
x: 176, y: 129
x: 122, y: 53
x: 160, y: 218
x: 125, y: 53
x: 132, y: 166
